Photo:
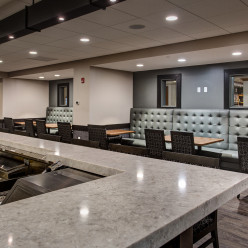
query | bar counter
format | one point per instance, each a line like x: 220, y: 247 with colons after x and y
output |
x: 141, y: 203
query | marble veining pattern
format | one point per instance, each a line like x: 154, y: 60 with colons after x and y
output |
x: 142, y: 203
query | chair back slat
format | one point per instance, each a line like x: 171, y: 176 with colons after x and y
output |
x: 192, y: 159
x: 243, y: 153
x: 182, y: 142
x: 139, y: 151
x: 50, y: 137
x: 4, y: 130
x: 98, y: 133
x: 87, y: 143
x: 22, y: 133
x: 40, y: 127
x: 30, y: 127
x: 155, y: 142
x: 9, y: 123
x: 65, y: 131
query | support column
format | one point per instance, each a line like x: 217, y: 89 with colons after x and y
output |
x: 81, y: 95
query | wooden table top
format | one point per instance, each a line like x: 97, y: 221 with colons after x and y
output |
x: 118, y: 132
x: 48, y: 125
x: 115, y: 132
x: 199, y: 141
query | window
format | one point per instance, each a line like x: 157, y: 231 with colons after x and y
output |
x: 236, y: 89
x: 63, y: 95
x: 169, y: 91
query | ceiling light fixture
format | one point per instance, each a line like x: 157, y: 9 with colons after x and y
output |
x: 85, y: 40
x: 33, y: 52
x: 171, y: 18
x: 11, y: 37
x: 140, y: 65
x: 1, y: 61
x: 56, y: 75
x: 41, y: 77
x: 61, y: 18
x: 237, y: 53
x: 181, y: 60
x: 113, y: 1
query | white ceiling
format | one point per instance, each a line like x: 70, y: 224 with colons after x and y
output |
x: 201, y: 57
x: 50, y: 76
x: 110, y: 33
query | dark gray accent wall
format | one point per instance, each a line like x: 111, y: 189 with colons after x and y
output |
x: 211, y: 76
x: 53, y: 92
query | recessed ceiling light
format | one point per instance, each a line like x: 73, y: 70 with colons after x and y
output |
x: 140, y: 65
x: 113, y: 1
x: 56, y: 75
x: 85, y: 39
x: 33, y: 52
x: 237, y: 53
x: 11, y: 37
x: 181, y: 60
x: 171, y: 18
x: 41, y: 77
x: 1, y: 61
x: 61, y: 18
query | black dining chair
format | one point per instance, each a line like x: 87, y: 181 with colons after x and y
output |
x: 98, y: 133
x: 22, y: 133
x: 133, y: 150
x: 243, y: 155
x: 30, y: 127
x: 40, y: 127
x: 65, y: 131
x: 204, y: 161
x: 87, y: 143
x: 50, y: 137
x: 182, y: 142
x: 155, y: 142
x: 9, y: 124
x: 4, y: 130
x: 207, y: 225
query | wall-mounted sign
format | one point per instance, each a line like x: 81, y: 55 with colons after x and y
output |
x: 82, y: 80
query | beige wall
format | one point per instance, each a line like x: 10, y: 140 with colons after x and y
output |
x: 81, y: 94
x: 25, y: 98
x: 111, y: 96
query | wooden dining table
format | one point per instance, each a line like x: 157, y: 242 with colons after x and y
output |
x: 117, y: 132
x: 48, y: 125
x: 112, y: 133
x: 199, y: 141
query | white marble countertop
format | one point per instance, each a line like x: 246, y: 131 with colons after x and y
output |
x: 142, y: 203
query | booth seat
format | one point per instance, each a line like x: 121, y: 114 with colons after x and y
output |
x: 224, y: 124
x: 59, y: 114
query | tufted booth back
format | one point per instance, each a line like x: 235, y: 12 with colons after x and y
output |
x: 59, y: 114
x: 203, y: 123
x: 238, y: 126
x: 141, y: 118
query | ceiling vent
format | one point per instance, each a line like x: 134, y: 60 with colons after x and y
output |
x: 46, y: 14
